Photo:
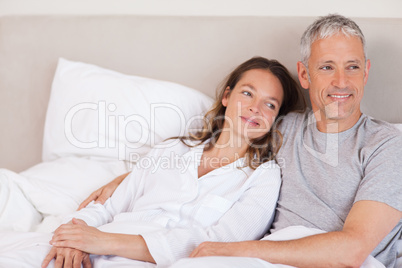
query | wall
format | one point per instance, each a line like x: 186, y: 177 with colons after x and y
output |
x: 351, y: 8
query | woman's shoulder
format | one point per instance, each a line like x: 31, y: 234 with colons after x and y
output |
x: 269, y: 168
x: 268, y: 173
x: 169, y: 145
x: 175, y: 145
x: 271, y: 164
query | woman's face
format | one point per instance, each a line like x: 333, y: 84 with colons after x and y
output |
x: 252, y: 105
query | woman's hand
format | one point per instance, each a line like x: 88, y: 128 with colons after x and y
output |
x: 67, y: 257
x: 103, y: 193
x: 79, y: 235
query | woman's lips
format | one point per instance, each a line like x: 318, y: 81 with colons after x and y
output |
x: 249, y: 121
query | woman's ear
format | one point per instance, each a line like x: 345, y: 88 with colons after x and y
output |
x: 225, y: 98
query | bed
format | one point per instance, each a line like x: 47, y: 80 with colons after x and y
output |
x: 84, y: 97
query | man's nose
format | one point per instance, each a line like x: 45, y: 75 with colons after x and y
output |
x: 340, y: 79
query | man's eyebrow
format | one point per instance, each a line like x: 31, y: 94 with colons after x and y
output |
x: 357, y: 61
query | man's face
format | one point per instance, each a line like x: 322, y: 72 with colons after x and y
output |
x: 338, y: 73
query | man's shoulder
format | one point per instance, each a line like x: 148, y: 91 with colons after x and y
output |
x: 378, y: 128
x: 292, y: 116
x: 291, y: 119
x: 378, y: 137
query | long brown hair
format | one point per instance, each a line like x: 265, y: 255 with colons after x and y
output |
x: 266, y: 147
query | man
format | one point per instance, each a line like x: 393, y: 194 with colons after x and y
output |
x: 341, y: 169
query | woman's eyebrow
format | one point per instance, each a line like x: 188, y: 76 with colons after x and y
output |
x: 274, y: 99
x: 253, y: 89
x: 249, y: 86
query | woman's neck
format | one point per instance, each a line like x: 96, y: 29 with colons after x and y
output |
x: 218, y: 156
x: 230, y: 148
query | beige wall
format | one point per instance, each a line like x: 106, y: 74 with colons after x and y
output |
x: 352, y: 8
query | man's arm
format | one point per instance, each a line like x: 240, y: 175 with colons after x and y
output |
x: 366, y: 225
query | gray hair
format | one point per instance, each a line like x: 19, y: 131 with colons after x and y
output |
x: 328, y: 26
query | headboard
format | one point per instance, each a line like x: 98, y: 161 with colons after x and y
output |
x: 195, y: 51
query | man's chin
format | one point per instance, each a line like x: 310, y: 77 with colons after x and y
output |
x: 338, y: 114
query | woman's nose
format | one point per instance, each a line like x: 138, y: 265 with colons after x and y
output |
x: 254, y: 107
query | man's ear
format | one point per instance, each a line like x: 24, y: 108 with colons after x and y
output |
x: 225, y: 98
x: 302, y: 73
x: 366, y: 71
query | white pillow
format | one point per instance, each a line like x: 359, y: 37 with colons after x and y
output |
x: 95, y: 112
x: 57, y: 187
x: 398, y: 126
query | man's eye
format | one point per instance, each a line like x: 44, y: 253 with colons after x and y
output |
x: 246, y: 93
x: 354, y: 67
x: 326, y: 68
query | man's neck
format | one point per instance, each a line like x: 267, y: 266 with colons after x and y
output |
x: 329, y: 125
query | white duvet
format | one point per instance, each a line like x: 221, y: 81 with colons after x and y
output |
x: 37, y: 198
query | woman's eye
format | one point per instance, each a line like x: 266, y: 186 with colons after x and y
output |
x: 246, y: 93
x: 271, y: 106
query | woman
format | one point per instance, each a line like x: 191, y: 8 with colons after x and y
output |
x: 222, y: 183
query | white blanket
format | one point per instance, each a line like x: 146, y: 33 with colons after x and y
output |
x: 37, y: 198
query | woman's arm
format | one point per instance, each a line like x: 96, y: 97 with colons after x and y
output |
x: 103, y: 193
x: 80, y: 236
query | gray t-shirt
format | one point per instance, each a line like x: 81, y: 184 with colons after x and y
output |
x: 325, y: 174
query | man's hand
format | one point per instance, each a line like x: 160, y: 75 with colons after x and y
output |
x: 103, y: 193
x: 67, y: 258
x: 214, y: 249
